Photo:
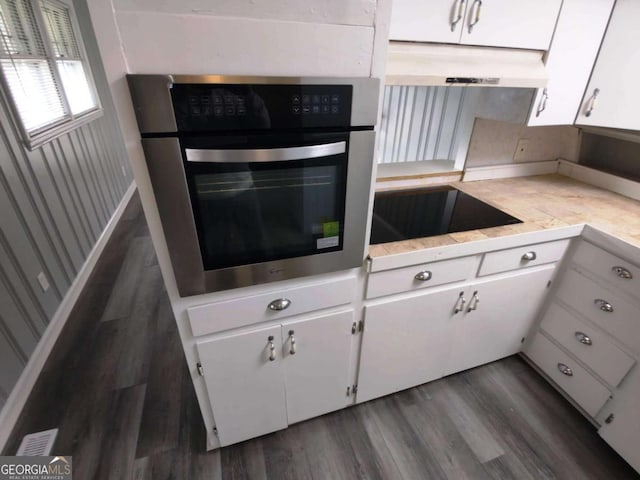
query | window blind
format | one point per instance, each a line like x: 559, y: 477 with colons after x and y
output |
x: 42, y: 64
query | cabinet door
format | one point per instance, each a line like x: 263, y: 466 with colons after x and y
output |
x: 317, y: 374
x: 427, y: 21
x: 507, y: 23
x: 573, y: 51
x: 405, y: 342
x: 616, y: 73
x: 494, y: 327
x: 245, y: 387
x: 623, y: 431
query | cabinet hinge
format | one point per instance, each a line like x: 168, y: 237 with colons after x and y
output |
x: 361, y: 325
x: 200, y: 369
x: 354, y: 389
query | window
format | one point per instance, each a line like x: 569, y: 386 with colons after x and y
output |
x: 45, y: 72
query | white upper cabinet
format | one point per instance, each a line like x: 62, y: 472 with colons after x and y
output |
x: 426, y: 21
x: 573, y: 51
x: 525, y: 24
x: 612, y: 96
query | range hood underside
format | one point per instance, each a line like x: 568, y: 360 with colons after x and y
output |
x: 441, y: 64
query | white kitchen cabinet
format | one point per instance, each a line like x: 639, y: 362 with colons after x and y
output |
x: 406, y: 342
x: 574, y: 48
x: 426, y: 21
x: 316, y: 354
x: 238, y: 371
x: 612, y: 96
x: 262, y: 380
x: 524, y: 24
x: 498, y: 315
x: 621, y: 425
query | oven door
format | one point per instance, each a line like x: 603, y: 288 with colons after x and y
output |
x: 261, y: 208
x: 258, y: 204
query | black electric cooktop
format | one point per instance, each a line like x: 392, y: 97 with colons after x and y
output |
x: 406, y: 214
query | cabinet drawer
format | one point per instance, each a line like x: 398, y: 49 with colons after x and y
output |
x: 521, y: 257
x: 238, y: 312
x: 617, y: 272
x: 584, y: 389
x: 588, y: 344
x: 404, y: 279
x: 603, y: 307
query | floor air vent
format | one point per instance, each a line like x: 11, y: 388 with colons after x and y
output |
x: 37, y: 444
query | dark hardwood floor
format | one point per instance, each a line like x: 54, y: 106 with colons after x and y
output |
x: 117, y: 387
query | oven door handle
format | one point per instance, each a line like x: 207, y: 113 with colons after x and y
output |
x: 265, y: 154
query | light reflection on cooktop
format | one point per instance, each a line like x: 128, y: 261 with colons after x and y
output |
x: 426, y: 212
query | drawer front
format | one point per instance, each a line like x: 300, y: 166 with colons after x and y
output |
x: 606, y: 309
x: 432, y: 274
x: 584, y: 389
x: 522, y: 257
x: 621, y: 274
x: 238, y: 312
x: 588, y: 344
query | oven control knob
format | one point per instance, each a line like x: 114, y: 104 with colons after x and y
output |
x: 280, y: 304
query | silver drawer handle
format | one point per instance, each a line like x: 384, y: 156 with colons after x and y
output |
x: 292, y: 340
x: 473, y: 303
x: 527, y: 257
x: 477, y: 14
x: 592, y: 102
x: 603, y: 305
x: 583, y: 338
x: 622, y: 272
x: 272, y: 349
x: 459, y: 304
x: 423, y: 276
x: 565, y: 370
x: 460, y: 10
x: 280, y: 304
x: 542, y: 104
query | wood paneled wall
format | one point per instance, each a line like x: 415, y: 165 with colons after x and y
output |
x: 55, y: 202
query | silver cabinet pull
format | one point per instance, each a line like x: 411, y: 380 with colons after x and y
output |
x: 292, y: 340
x: 460, y: 10
x: 473, y: 303
x: 272, y: 349
x: 603, y: 305
x: 542, y: 104
x: 529, y: 256
x: 565, y: 370
x: 477, y: 4
x: 280, y: 304
x: 592, y: 102
x: 265, y: 154
x: 459, y: 307
x: 423, y: 276
x: 622, y: 272
x: 583, y: 338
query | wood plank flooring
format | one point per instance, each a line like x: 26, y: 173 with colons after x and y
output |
x: 118, y: 387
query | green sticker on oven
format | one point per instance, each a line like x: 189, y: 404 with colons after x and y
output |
x: 330, y: 229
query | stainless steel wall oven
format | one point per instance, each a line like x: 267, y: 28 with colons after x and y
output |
x: 258, y: 179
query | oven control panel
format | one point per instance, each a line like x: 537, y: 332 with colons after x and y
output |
x: 213, y: 107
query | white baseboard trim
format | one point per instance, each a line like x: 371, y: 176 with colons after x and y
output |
x: 510, y: 170
x: 607, y: 181
x: 20, y: 392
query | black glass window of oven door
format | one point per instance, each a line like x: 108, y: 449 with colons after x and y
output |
x: 253, y: 204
